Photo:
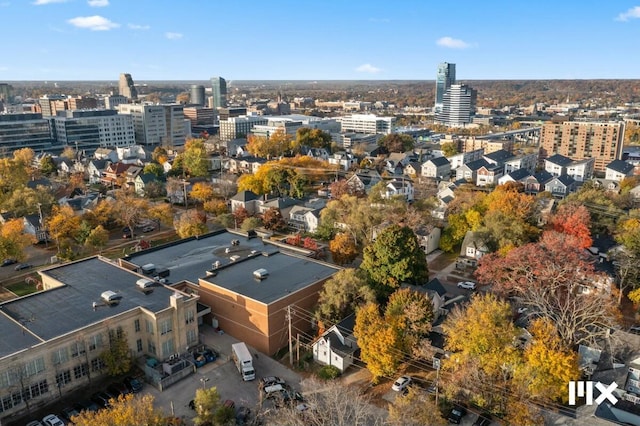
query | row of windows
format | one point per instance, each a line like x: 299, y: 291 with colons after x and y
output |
x: 33, y: 391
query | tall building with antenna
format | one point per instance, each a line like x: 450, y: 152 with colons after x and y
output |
x: 445, y: 77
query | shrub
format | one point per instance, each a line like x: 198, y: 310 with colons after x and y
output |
x: 328, y: 372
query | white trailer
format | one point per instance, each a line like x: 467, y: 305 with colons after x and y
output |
x: 243, y: 360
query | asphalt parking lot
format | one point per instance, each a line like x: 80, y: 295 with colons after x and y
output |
x: 224, y: 376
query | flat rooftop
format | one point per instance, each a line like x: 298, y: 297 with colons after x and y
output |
x: 48, y: 314
x: 190, y: 258
x: 286, y: 274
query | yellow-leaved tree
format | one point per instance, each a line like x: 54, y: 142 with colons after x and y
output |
x: 125, y: 411
x: 548, y: 365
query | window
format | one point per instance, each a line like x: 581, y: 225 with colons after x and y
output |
x: 60, y: 356
x: 80, y: 371
x: 192, y: 337
x: 149, y: 326
x: 189, y: 317
x: 77, y: 349
x: 136, y: 325
x: 139, y: 345
x: 168, y: 348
x: 97, y: 364
x: 166, y: 326
x: 6, y: 379
x: 95, y: 342
x: 63, y: 378
x: 151, y: 347
x: 34, y: 366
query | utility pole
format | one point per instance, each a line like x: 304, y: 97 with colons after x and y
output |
x: 298, y: 348
x: 290, y: 336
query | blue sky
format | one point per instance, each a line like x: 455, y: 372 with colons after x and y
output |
x: 321, y: 40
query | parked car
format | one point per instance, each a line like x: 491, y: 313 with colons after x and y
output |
x: 126, y: 232
x: 148, y: 229
x: 456, y: 414
x: 52, y: 420
x: 69, y: 412
x: 118, y: 389
x: 483, y: 420
x: 230, y: 404
x: 242, y: 415
x: 401, y: 384
x: 35, y: 423
x: 102, y: 399
x: 21, y: 266
x: 86, y: 405
x: 133, y: 384
x: 468, y: 285
x: 8, y: 262
x: 271, y: 380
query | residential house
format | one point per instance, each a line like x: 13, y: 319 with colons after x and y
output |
x: 337, y: 345
x: 132, y: 154
x: 527, y: 162
x: 114, y: 174
x: 317, y: 153
x: 79, y: 202
x: 343, y: 160
x: 429, y: 238
x: 95, y: 169
x: 617, y: 170
x: 469, y: 171
x: 498, y: 158
x: 488, y: 175
x: 581, y: 170
x: 557, y: 164
x: 248, y: 164
x: 465, y: 157
x: 436, y: 292
x: 304, y: 219
x: 413, y: 169
x: 536, y: 183
x: 64, y: 165
x: 399, y: 188
x: 612, y: 186
x: 518, y: 176
x: 247, y: 199
x: 284, y: 204
x: 131, y: 173
x: 437, y: 168
x: 142, y: 180
x: 34, y: 225
x: 106, y: 154
x: 472, y: 249
x: 561, y: 186
x: 364, y: 180
x: 635, y: 193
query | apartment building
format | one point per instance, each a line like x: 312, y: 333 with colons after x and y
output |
x: 367, y: 123
x: 89, y: 130
x: 235, y: 127
x: 25, y: 130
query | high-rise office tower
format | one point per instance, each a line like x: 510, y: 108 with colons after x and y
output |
x: 126, y: 87
x: 458, y: 106
x: 197, y: 95
x: 444, y: 79
x: 219, y: 92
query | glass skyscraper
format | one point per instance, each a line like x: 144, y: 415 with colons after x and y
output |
x: 219, y: 92
x: 444, y: 79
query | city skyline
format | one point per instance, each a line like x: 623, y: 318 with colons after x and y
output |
x: 164, y: 40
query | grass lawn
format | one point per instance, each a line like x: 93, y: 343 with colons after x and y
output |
x: 21, y: 288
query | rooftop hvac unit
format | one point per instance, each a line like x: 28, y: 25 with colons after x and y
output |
x: 216, y: 264
x: 110, y: 296
x: 260, y: 273
x: 234, y: 258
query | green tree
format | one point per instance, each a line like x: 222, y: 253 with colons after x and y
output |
x: 250, y: 223
x: 195, y: 158
x: 395, y: 258
x: 97, y: 238
x: 207, y: 403
x: 415, y: 409
x: 449, y: 149
x: 341, y: 295
x: 396, y: 142
x: 413, y: 312
x: 314, y: 138
x: 117, y: 357
x: 47, y: 166
x: 154, y: 169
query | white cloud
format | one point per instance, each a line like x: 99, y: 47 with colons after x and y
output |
x: 452, y: 43
x: 632, y: 13
x: 98, y: 3
x: 138, y: 27
x: 93, y: 23
x: 41, y: 2
x: 368, y: 68
x: 173, y: 36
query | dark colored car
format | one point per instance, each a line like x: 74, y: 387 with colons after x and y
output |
x: 8, y: 262
x: 230, y: 404
x: 242, y: 415
x: 133, y: 384
x: 69, y: 412
x: 21, y: 266
x: 86, y: 405
x: 482, y: 420
x: 102, y: 399
x: 126, y: 232
x: 456, y: 414
x: 118, y: 389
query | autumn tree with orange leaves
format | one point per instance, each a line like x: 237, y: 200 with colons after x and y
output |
x: 573, y: 219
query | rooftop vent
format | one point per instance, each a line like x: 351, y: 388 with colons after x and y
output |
x: 216, y: 264
x: 144, y: 283
x: 260, y: 273
x: 110, y: 297
x: 234, y: 258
